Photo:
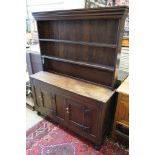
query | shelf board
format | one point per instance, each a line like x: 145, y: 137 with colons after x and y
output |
x: 96, y: 66
x: 80, y: 43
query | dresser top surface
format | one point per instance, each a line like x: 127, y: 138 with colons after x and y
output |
x: 124, y: 87
x: 79, y: 87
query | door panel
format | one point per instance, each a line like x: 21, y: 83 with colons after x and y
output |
x: 60, y: 107
x: 38, y: 96
x: 44, y: 99
x: 40, y: 100
x: 76, y: 113
x: 82, y: 117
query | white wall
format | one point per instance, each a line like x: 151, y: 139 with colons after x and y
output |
x: 124, y: 59
x: 43, y: 5
x: 74, y: 4
x: 48, y: 5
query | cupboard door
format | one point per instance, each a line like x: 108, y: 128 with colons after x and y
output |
x: 44, y: 98
x: 82, y: 117
x: 39, y: 97
x: 43, y: 101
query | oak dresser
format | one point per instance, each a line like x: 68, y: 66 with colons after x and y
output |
x: 80, y: 52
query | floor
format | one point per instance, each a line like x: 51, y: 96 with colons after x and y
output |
x: 31, y: 118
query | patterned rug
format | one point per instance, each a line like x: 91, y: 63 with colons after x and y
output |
x: 46, y: 138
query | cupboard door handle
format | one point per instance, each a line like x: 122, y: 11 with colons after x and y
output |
x: 67, y: 110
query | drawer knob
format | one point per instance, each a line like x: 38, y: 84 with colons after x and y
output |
x: 67, y: 109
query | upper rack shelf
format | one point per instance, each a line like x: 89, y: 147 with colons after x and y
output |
x: 93, y: 65
x: 80, y: 43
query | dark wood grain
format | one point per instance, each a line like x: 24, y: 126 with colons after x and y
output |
x: 80, y: 72
x: 80, y: 108
x: 80, y: 63
x: 80, y: 52
x: 98, y: 55
x: 80, y: 43
x: 97, y: 13
x: 89, y: 37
